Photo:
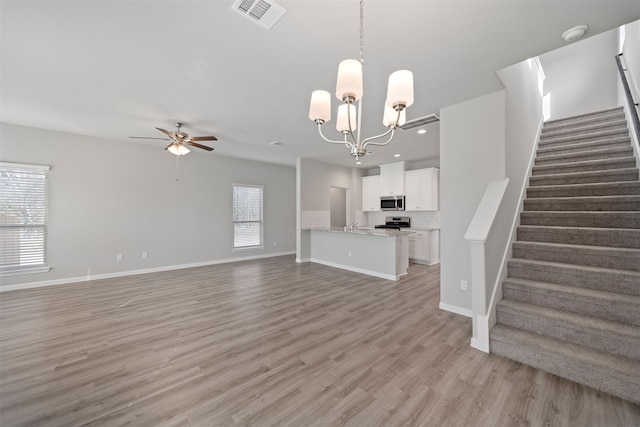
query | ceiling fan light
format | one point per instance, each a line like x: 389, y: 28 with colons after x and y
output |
x: 342, y: 122
x: 349, y: 84
x: 400, y: 89
x: 391, y: 115
x: 178, y: 149
x: 320, y: 107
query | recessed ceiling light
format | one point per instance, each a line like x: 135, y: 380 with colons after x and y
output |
x: 358, y: 162
x: 396, y: 155
x: 422, y: 131
x: 275, y: 143
x: 573, y: 34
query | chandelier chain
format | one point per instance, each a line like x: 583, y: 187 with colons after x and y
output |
x: 362, y: 32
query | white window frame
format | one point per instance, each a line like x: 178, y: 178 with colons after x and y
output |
x: 260, y: 221
x: 27, y: 257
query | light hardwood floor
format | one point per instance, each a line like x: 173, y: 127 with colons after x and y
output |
x: 263, y: 343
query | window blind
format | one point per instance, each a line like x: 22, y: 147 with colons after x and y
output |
x: 23, y: 218
x: 247, y: 216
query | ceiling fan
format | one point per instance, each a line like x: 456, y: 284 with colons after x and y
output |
x: 180, y: 140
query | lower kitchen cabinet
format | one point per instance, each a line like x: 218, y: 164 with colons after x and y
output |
x: 424, y: 247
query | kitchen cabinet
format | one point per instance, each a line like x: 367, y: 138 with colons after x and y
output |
x: 392, y: 179
x: 421, y: 190
x: 371, y: 193
x: 424, y: 247
x: 419, y: 247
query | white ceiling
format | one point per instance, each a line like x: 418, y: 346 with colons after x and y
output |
x: 114, y: 69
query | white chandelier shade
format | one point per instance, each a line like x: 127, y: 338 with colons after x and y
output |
x: 349, y: 83
x: 320, y: 108
x: 400, y: 89
x: 346, y: 113
x: 391, y: 119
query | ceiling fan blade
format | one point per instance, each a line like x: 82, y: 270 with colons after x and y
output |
x: 203, y: 138
x: 169, y: 134
x: 148, y: 137
x: 195, y: 144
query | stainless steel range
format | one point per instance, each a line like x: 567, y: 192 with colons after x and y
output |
x: 396, y: 222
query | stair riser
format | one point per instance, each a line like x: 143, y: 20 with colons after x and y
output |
x: 613, y: 343
x: 571, y: 205
x: 622, y: 175
x: 566, y: 302
x: 586, y: 137
x: 613, y: 281
x: 624, y: 238
x: 616, y: 189
x: 584, y: 156
x: 577, y: 148
x: 594, y: 257
x: 574, y: 370
x: 576, y: 129
x: 588, y: 166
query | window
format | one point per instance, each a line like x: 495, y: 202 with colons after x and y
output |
x: 247, y: 216
x: 23, y: 218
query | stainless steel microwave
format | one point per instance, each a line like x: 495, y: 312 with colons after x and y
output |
x: 392, y: 203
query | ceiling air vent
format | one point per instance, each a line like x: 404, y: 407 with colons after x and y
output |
x: 422, y: 121
x: 263, y: 12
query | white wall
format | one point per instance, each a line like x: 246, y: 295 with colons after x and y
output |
x: 472, y: 153
x: 314, y: 182
x: 582, y: 77
x: 631, y: 53
x: 109, y: 197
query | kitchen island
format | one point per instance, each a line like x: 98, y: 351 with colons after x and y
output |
x: 377, y: 252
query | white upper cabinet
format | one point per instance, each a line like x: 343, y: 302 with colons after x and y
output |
x: 421, y: 186
x: 392, y: 179
x: 371, y: 193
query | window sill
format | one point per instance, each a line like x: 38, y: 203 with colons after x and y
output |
x: 18, y: 271
x: 248, y: 248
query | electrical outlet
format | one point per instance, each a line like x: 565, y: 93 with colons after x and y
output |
x: 145, y: 255
x: 119, y: 257
x: 463, y: 285
x: 349, y: 253
x: 275, y: 243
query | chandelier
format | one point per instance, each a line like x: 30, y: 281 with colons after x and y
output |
x: 349, y: 92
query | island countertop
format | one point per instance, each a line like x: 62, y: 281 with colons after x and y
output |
x: 384, y: 232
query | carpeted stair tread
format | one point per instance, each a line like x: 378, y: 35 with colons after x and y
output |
x: 585, y: 166
x: 618, y: 175
x: 603, y: 115
x: 585, y: 236
x: 606, y: 372
x: 596, y: 256
x: 592, y: 302
x: 588, y: 127
x: 581, y: 137
x: 601, y: 334
x: 594, y: 154
x: 615, y: 280
x: 624, y: 141
x: 583, y: 190
x: 591, y: 219
x: 584, y: 203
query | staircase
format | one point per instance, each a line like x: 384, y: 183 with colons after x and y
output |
x: 571, y: 301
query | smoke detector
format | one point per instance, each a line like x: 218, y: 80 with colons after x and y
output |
x: 573, y: 34
x: 262, y: 12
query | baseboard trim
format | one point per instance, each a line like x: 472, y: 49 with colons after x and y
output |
x: 68, y: 280
x: 455, y: 309
x: 356, y: 270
